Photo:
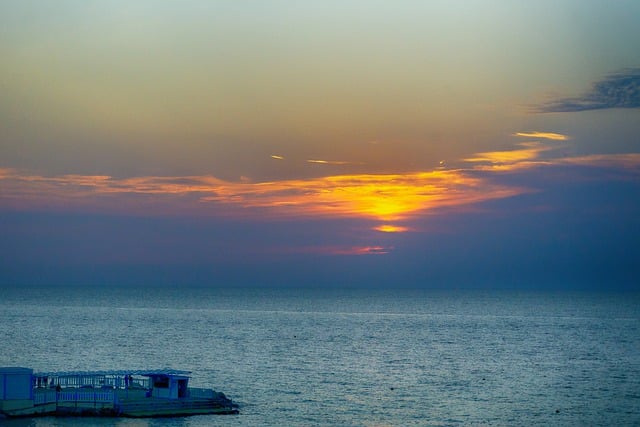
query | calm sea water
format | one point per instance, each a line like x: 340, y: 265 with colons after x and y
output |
x: 310, y: 357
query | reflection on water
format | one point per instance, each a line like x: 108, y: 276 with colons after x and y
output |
x: 346, y: 357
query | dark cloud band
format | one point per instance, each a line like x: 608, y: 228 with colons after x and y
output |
x: 618, y: 90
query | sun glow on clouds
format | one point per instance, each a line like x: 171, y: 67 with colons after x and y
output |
x: 389, y: 228
x: 388, y: 197
x: 391, y: 199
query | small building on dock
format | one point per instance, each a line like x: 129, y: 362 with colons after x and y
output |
x: 16, y: 391
x: 169, y: 385
x: 132, y: 393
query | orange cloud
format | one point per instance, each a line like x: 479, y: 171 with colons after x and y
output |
x: 6, y: 173
x: 544, y: 135
x: 388, y: 228
x: 333, y: 162
x: 382, y: 197
x: 388, y: 197
x: 530, y: 151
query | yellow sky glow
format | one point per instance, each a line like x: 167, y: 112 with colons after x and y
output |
x: 389, y: 228
x: 388, y: 198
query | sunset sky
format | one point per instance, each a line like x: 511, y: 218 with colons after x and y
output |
x: 320, y: 143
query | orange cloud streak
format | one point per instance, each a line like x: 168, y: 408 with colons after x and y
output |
x: 382, y: 197
x: 530, y: 151
x: 332, y: 162
x: 388, y: 228
x: 544, y: 135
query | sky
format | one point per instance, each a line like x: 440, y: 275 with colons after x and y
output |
x: 439, y: 144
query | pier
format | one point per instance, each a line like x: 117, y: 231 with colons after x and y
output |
x: 131, y: 393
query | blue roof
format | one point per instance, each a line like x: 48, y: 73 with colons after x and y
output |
x: 15, y: 370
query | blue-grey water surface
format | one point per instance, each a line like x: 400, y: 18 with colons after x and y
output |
x: 346, y: 357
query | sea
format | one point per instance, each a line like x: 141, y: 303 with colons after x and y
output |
x: 343, y: 356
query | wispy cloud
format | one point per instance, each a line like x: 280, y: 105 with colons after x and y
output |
x: 362, y: 250
x: 390, y: 199
x: 628, y: 161
x: 509, y: 159
x: 384, y: 197
x: 321, y: 161
x: 332, y: 162
x: 618, y: 90
x: 328, y: 250
x: 543, y: 135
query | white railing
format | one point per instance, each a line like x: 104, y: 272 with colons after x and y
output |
x: 92, y: 381
x: 50, y: 396
x: 86, y: 396
x: 42, y: 397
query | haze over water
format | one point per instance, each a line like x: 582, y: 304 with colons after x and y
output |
x: 347, y: 357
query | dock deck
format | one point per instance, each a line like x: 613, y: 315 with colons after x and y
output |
x: 158, y: 393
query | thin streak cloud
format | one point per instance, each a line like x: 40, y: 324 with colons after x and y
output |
x: 528, y: 151
x: 629, y: 161
x: 351, y: 250
x: 327, y: 250
x: 332, y: 162
x: 543, y: 135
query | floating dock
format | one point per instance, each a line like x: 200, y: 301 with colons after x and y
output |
x: 133, y: 393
